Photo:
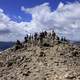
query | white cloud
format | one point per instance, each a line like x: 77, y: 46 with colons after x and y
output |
x: 1, y: 10
x: 11, y: 30
x: 65, y: 20
x: 19, y: 17
x: 61, y: 5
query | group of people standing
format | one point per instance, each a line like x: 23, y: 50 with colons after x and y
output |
x: 38, y: 39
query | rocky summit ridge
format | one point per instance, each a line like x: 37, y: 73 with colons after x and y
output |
x: 52, y: 59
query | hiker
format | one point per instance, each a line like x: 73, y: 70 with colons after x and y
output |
x: 35, y: 36
x: 63, y: 39
x: 53, y: 35
x: 29, y: 38
x: 41, y: 36
x: 32, y: 40
x: 45, y: 33
x: 57, y: 38
x: 25, y: 39
x: 18, y: 45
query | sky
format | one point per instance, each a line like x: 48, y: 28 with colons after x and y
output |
x: 21, y: 17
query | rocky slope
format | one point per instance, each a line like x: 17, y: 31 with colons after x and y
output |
x: 58, y: 62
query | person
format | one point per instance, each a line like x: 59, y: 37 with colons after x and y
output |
x: 63, y: 39
x: 18, y: 42
x: 25, y: 39
x: 53, y: 35
x: 45, y: 33
x: 18, y: 45
x: 29, y: 38
x: 57, y: 38
x: 35, y: 36
x: 41, y: 36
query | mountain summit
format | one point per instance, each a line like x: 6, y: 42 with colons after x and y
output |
x: 48, y: 59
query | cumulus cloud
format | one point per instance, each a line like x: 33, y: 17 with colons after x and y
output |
x: 11, y: 30
x: 65, y: 19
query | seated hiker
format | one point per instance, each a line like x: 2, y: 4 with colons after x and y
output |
x: 18, y: 45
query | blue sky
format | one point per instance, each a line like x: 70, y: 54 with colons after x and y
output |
x: 12, y: 7
x: 21, y: 17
